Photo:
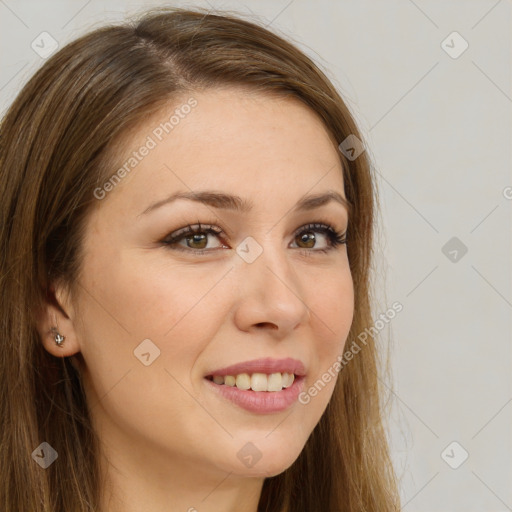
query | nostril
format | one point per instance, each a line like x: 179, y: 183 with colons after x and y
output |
x: 267, y: 324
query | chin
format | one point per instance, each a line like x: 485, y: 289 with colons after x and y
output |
x: 263, y: 471
x: 267, y: 466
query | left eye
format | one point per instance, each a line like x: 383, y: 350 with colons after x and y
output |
x: 306, y: 235
x: 196, y: 238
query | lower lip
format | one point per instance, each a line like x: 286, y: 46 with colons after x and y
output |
x: 261, y: 402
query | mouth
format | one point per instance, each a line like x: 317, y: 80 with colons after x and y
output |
x: 259, y: 386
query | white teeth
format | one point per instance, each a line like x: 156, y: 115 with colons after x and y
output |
x: 228, y: 380
x: 257, y: 381
x: 288, y: 379
x: 275, y: 382
x: 243, y: 381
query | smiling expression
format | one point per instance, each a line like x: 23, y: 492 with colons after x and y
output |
x: 252, y: 265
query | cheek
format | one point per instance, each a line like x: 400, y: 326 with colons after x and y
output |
x: 332, y: 311
x: 331, y: 317
x: 154, y: 300
x: 133, y: 301
x: 176, y: 310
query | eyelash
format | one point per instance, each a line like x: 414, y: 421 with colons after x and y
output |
x: 170, y: 242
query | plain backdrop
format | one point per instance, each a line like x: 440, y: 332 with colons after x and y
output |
x: 429, y: 82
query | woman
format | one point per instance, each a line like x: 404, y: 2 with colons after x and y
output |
x: 186, y: 226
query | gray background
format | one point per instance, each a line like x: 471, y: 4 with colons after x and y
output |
x: 439, y: 131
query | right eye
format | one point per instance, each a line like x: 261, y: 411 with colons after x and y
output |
x: 195, y: 238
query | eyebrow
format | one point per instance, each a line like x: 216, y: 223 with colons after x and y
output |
x: 224, y: 201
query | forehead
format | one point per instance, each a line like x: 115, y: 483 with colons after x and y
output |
x: 231, y: 139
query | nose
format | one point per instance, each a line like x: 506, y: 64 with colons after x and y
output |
x: 271, y: 294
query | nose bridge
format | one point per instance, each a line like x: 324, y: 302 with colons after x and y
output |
x: 269, y: 262
x: 270, y: 284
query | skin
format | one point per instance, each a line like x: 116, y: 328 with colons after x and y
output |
x: 168, y: 442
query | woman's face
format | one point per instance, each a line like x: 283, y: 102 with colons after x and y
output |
x: 156, y: 318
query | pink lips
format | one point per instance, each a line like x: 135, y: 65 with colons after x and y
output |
x: 261, y: 402
x: 265, y: 365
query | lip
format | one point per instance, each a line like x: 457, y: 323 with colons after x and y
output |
x: 265, y: 365
x: 260, y: 402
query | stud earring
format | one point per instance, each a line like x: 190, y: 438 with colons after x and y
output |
x: 59, y: 339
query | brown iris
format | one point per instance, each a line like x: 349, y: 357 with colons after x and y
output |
x: 308, y: 238
x: 198, y: 238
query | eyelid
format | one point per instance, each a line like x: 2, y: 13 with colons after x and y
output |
x: 199, y: 227
x: 318, y: 225
x: 212, y: 227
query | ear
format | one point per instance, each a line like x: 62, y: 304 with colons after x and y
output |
x: 57, y: 316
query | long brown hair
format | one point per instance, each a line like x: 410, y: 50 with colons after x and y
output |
x: 55, y: 143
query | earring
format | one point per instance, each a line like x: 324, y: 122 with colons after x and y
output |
x: 59, y: 339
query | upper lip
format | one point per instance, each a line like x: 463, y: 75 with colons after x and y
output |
x: 265, y: 365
